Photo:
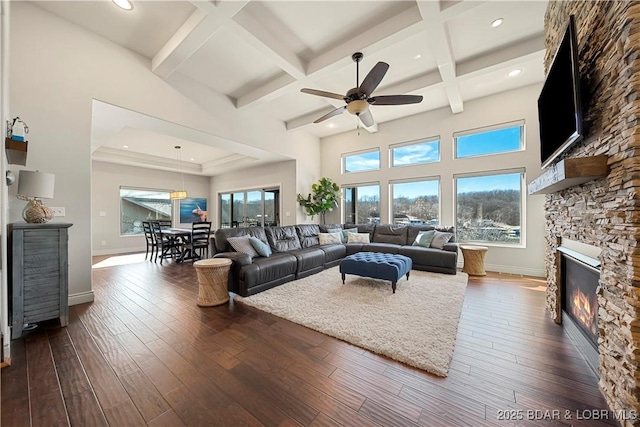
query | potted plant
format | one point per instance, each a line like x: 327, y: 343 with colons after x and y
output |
x: 324, y: 197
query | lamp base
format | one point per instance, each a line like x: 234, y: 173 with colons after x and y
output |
x: 36, y: 212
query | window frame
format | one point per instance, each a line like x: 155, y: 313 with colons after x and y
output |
x: 392, y: 147
x: 344, y: 199
x: 392, y: 182
x: 151, y: 190
x: 484, y: 129
x: 344, y: 156
x: 523, y: 205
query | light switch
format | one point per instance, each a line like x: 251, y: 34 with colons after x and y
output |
x: 58, y: 211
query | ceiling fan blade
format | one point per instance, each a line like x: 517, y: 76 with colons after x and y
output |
x: 373, y: 79
x: 395, y: 99
x: 366, y: 118
x: 322, y: 93
x: 335, y: 112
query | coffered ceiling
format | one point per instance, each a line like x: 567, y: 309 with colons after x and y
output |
x: 260, y: 54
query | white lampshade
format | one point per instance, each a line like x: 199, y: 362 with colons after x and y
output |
x: 36, y: 184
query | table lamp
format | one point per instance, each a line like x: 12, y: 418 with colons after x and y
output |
x: 33, y: 186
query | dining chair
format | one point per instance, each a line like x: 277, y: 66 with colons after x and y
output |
x: 152, y: 246
x: 167, y: 247
x: 198, y: 244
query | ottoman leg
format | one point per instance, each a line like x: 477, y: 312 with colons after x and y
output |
x: 408, y: 274
x: 343, y: 278
x: 393, y: 286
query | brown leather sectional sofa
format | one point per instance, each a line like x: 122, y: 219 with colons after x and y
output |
x: 297, y: 252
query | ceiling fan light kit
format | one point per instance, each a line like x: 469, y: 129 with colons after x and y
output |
x: 358, y: 99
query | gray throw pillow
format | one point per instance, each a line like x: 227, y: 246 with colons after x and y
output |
x: 440, y: 238
x: 242, y: 244
x: 261, y: 247
x: 345, y: 233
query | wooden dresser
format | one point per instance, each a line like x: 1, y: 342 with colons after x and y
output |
x: 38, y: 274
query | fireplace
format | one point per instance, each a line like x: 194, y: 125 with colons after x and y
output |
x: 580, y: 276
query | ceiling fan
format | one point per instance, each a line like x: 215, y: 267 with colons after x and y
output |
x: 359, y: 98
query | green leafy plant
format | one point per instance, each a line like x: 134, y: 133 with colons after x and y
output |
x: 324, y: 197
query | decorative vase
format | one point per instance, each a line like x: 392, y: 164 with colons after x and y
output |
x: 36, y: 212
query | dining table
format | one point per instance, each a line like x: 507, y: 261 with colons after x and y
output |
x: 179, y: 237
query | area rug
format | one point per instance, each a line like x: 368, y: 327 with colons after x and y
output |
x: 417, y: 325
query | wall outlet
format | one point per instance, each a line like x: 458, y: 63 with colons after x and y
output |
x: 58, y: 211
x: 103, y: 243
x: 287, y: 214
x: 103, y: 213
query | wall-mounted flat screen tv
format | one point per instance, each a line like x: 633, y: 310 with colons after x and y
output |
x: 559, y: 104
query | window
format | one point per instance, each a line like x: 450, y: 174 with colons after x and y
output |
x: 489, y: 207
x: 490, y: 140
x: 250, y: 208
x: 416, y: 202
x: 411, y: 153
x: 362, y: 204
x: 358, y: 162
x: 142, y: 205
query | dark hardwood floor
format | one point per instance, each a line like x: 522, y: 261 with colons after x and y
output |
x: 144, y: 354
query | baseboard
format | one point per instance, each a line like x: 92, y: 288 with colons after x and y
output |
x: 510, y: 269
x: 81, y: 298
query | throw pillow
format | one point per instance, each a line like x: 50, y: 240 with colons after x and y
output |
x: 329, y: 238
x: 345, y: 234
x: 440, y: 238
x: 261, y: 247
x: 424, y: 238
x: 242, y: 244
x: 358, y: 238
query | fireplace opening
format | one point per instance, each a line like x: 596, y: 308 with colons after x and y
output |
x: 580, y: 276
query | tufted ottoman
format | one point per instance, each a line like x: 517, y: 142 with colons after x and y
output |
x: 377, y: 266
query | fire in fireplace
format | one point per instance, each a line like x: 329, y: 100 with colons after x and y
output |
x: 580, y: 277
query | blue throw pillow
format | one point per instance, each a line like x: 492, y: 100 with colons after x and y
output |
x: 424, y: 238
x: 261, y: 247
x: 345, y: 233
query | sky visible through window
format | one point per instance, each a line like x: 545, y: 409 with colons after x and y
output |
x: 491, y: 142
x: 411, y: 190
x: 362, y: 162
x: 423, y: 152
x: 472, y: 184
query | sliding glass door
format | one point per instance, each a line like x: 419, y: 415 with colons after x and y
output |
x: 250, y: 208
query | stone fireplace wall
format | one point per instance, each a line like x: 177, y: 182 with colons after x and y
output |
x: 605, y: 212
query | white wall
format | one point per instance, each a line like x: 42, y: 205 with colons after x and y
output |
x: 106, y: 180
x: 519, y: 104
x: 56, y: 70
x: 280, y: 174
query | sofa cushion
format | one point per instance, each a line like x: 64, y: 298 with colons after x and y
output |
x: 309, y: 260
x: 283, y: 239
x: 329, y: 228
x: 308, y: 235
x: 440, y: 238
x: 333, y: 253
x: 387, y: 248
x: 265, y: 270
x: 243, y: 245
x: 413, y: 230
x: 431, y: 259
x: 389, y: 233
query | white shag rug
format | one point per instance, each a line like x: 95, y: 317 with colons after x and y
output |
x: 417, y: 325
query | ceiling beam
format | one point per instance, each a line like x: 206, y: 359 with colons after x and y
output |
x: 203, y: 23
x: 394, y: 30
x: 438, y: 41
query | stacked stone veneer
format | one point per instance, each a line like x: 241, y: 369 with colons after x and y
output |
x: 605, y: 212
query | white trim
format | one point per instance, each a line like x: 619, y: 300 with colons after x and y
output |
x: 81, y: 298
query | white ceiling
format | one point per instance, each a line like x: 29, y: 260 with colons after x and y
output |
x: 261, y: 53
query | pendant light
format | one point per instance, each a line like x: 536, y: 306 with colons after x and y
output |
x: 178, y: 194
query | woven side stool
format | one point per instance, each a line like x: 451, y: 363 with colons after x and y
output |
x: 213, y: 274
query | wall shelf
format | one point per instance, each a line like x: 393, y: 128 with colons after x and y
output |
x: 568, y: 173
x: 16, y: 151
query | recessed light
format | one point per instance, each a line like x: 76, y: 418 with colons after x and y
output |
x: 123, y: 4
x: 192, y: 159
x: 418, y: 56
x: 331, y: 125
x: 496, y: 23
x: 514, y: 73
x: 125, y: 146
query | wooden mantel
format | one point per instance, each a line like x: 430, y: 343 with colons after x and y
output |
x: 569, y: 172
